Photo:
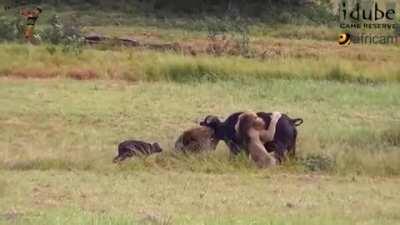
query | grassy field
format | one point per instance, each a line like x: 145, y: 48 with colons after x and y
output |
x: 160, y: 197
x: 65, y: 108
x: 59, y: 137
x: 284, y: 58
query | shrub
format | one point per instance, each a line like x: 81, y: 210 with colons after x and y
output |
x: 67, y: 32
x: 55, y: 33
x: 10, y: 29
x: 230, y: 35
x: 51, y: 49
x: 73, y: 44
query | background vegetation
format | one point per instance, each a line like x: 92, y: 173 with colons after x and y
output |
x: 269, y: 10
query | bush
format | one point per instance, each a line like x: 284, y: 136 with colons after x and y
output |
x: 272, y: 11
x: 68, y: 33
x: 61, y: 31
x: 10, y: 29
x: 230, y: 35
x: 73, y: 44
x: 55, y: 33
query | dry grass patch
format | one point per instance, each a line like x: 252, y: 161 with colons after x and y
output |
x: 280, y: 59
x: 34, y: 72
x: 82, y: 74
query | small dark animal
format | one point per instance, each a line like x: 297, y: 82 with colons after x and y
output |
x: 132, y: 148
x: 197, y: 140
x: 284, y: 140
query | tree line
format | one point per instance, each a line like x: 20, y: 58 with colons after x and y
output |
x: 189, y: 6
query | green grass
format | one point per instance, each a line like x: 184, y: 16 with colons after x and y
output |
x: 58, y: 135
x: 66, y: 124
x: 297, y: 60
x: 160, y: 197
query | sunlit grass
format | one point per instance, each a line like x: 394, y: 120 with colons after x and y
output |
x: 63, y: 124
x: 166, y: 197
x: 29, y: 61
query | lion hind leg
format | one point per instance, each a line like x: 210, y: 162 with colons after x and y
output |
x: 259, y: 154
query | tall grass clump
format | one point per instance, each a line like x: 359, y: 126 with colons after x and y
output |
x: 338, y: 74
x: 182, y: 69
x: 368, y: 162
x: 318, y: 163
x: 207, y: 68
x: 392, y: 135
x: 229, y: 36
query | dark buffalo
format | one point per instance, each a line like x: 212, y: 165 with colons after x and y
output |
x: 284, y: 139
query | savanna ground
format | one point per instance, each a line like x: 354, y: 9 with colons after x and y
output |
x: 63, y: 112
x: 59, y: 136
